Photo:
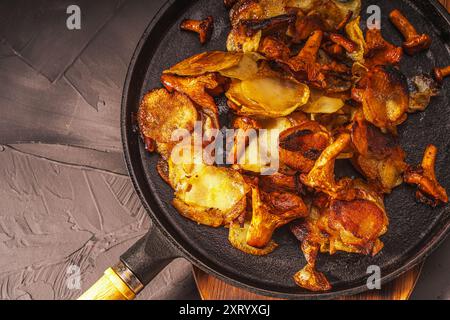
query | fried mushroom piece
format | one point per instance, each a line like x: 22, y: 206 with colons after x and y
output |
x: 274, y: 49
x: 336, y: 225
x: 240, y: 39
x: 379, y: 51
x: 272, y: 210
x: 302, y: 145
x: 422, y: 89
x: 441, y: 73
x: 378, y: 155
x: 325, y: 15
x: 238, y: 239
x: 316, y: 68
x: 161, y: 113
x: 385, y: 97
x: 429, y: 190
x: 273, y: 25
x: 353, y: 226
x: 305, y: 62
x: 309, y: 278
x: 204, y: 28
x: 321, y: 177
x: 280, y: 182
x: 200, y: 89
x: 414, y: 42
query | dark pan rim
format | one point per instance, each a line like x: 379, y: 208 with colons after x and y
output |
x: 136, y: 171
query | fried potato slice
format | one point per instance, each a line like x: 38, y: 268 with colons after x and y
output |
x: 267, y: 97
x: 319, y: 102
x: 256, y: 154
x: 353, y: 225
x: 256, y: 10
x: 161, y: 113
x: 246, y: 69
x: 238, y: 239
x: 378, y: 155
x: 213, y: 196
x: 270, y: 212
x: 385, y: 97
x: 246, y: 10
x: 206, y: 62
x: 301, y: 146
x: 239, y: 41
x: 245, y: 39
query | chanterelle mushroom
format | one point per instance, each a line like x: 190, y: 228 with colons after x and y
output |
x: 425, y: 178
x: 204, y: 27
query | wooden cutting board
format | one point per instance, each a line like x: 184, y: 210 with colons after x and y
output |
x: 211, y: 288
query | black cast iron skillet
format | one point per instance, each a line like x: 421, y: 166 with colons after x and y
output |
x: 415, y: 229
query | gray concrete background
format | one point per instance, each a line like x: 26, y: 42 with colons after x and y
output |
x: 64, y: 192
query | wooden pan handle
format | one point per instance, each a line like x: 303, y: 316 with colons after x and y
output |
x: 117, y: 283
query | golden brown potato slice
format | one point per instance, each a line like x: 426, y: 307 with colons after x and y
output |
x: 354, y: 226
x: 256, y: 10
x: 246, y: 10
x: 319, y: 102
x: 378, y: 155
x: 161, y: 113
x: 333, y: 225
x: 208, y: 195
x: 257, y: 153
x: 239, y: 41
x: 246, y: 69
x: 385, y: 97
x: 206, y: 62
x: 238, y: 239
x: 301, y: 146
x: 267, y: 97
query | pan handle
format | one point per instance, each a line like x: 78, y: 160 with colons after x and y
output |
x: 138, y: 266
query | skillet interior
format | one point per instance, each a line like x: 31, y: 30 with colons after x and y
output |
x: 414, y: 228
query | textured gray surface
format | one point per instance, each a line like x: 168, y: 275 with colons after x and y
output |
x: 74, y: 205
x: 55, y: 215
